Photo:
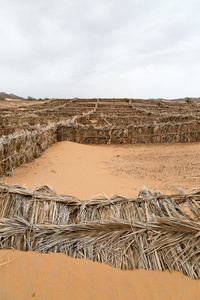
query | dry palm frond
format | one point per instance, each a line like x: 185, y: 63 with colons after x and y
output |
x: 3, y: 261
x: 159, y: 244
x: 152, y: 231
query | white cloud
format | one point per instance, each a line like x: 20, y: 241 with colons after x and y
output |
x: 100, y: 48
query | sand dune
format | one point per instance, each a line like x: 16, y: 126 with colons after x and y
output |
x: 56, y: 276
x: 84, y: 171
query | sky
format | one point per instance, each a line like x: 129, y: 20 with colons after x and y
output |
x: 100, y: 48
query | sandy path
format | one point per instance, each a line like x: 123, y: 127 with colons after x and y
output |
x: 87, y: 170
x: 83, y: 171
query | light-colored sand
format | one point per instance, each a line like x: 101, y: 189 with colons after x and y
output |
x: 87, y: 170
x: 8, y: 102
x: 56, y: 276
x: 83, y: 171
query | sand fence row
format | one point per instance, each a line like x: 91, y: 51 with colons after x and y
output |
x: 149, y: 133
x: 152, y: 231
x: 25, y: 145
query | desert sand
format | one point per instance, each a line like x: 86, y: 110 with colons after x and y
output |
x: 56, y: 276
x: 84, y: 171
x: 8, y: 102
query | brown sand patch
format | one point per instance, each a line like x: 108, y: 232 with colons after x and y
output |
x: 8, y: 102
x: 87, y: 170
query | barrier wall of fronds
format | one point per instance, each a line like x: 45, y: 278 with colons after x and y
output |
x: 158, y: 133
x: 27, y: 144
x: 153, y: 231
x: 24, y: 146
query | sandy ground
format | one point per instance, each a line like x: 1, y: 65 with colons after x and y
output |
x: 87, y: 170
x: 84, y: 171
x: 17, y: 102
x: 56, y: 276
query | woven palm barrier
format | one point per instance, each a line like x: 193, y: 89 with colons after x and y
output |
x: 152, y: 231
x: 26, y: 132
x: 148, y: 133
x: 24, y: 146
x: 27, y: 144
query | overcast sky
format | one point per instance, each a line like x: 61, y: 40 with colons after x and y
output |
x: 100, y: 48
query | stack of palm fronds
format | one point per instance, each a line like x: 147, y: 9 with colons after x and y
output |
x: 153, y: 231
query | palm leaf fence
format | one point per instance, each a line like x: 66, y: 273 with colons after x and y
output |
x: 25, y: 145
x: 152, y: 231
x: 165, y: 132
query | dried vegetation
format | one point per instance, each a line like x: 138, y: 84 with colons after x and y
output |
x: 153, y: 231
